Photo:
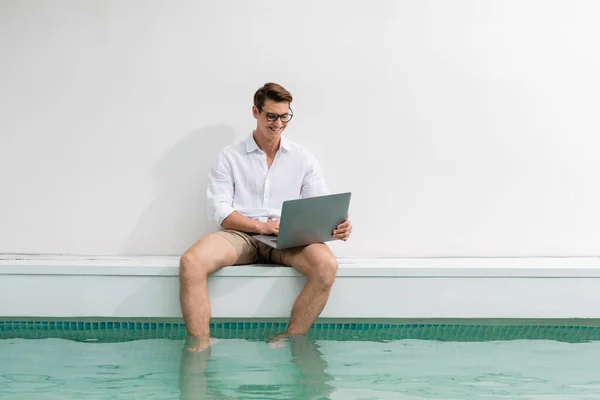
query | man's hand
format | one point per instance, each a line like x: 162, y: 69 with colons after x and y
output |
x: 271, y: 227
x: 343, y: 230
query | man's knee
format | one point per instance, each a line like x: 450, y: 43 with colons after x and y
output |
x: 324, y: 267
x: 329, y: 271
x: 205, y: 257
x: 192, y: 267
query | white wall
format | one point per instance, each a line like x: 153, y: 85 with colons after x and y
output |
x: 464, y: 128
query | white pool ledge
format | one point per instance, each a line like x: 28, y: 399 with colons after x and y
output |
x: 132, y: 287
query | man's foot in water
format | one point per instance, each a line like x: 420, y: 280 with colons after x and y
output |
x: 278, y: 341
x: 200, y: 343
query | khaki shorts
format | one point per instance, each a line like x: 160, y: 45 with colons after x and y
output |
x: 251, y: 251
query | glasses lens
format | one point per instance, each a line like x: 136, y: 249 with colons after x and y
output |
x: 271, y: 117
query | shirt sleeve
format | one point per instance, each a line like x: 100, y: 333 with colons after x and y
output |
x: 220, y: 190
x: 313, y: 183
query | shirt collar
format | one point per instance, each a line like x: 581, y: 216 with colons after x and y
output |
x: 252, y: 146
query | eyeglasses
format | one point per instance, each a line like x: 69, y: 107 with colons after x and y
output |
x: 272, y: 117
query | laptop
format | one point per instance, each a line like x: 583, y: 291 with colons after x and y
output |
x: 308, y: 221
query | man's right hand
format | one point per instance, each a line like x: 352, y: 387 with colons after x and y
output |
x: 271, y: 227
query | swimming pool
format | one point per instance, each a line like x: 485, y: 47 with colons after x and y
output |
x: 119, y: 359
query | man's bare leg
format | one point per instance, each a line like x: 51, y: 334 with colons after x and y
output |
x: 208, y: 255
x: 319, y: 265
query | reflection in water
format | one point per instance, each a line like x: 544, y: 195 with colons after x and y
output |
x: 312, y: 367
x: 301, y: 376
x: 193, y: 382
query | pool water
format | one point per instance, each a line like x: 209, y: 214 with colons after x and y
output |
x: 345, y: 364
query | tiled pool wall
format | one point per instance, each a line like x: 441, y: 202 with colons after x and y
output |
x: 122, y: 330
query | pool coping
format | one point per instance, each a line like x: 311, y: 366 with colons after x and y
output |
x: 539, y: 267
x: 74, y: 286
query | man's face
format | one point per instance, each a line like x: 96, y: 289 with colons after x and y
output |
x: 271, y: 108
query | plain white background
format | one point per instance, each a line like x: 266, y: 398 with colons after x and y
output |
x: 463, y: 128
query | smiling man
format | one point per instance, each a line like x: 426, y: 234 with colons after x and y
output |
x: 247, y: 185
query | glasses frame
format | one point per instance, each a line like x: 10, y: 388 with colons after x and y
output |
x: 278, y: 116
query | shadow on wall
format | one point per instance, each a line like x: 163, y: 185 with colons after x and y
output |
x: 176, y: 217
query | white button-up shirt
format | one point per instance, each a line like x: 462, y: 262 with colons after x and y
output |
x: 240, y: 180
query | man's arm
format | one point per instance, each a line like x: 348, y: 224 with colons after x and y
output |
x: 238, y: 222
x: 314, y: 185
x: 220, y: 192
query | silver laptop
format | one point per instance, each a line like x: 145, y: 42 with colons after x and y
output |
x: 308, y: 221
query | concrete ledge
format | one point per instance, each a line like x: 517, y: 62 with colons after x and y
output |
x: 87, y: 286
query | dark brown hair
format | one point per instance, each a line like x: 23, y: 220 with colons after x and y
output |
x: 272, y: 91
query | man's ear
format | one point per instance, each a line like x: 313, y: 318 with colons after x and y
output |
x: 255, y: 112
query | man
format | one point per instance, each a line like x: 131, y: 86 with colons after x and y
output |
x: 247, y: 185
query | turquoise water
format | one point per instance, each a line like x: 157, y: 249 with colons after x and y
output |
x: 329, y: 363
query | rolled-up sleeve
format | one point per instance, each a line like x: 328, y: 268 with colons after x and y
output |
x: 220, y: 190
x: 313, y: 183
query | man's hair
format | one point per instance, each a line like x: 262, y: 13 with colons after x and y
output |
x: 272, y: 91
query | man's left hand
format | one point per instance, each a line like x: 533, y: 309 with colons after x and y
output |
x: 343, y: 230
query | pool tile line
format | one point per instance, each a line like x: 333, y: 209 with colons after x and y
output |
x: 130, y: 330
x: 87, y: 326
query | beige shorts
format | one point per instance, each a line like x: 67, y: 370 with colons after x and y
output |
x: 251, y: 251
